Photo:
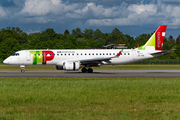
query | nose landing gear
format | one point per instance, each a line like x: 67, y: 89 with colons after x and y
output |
x: 22, y: 68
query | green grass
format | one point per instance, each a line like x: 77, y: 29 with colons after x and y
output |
x: 89, y: 98
x: 108, y: 67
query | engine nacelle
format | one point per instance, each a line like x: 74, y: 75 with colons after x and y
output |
x: 59, y: 67
x: 70, y: 66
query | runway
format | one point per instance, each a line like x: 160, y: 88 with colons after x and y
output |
x: 96, y: 74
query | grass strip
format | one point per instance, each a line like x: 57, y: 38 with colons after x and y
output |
x: 89, y: 98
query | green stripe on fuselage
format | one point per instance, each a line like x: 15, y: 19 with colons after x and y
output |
x: 37, y: 57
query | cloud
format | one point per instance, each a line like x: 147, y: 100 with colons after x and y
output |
x: 3, y: 14
x: 39, y: 7
x: 45, y: 7
x: 151, y: 8
x: 170, y: 0
x: 19, y: 3
x: 91, y: 10
x: 90, y: 13
x: 110, y: 22
x: 141, y: 14
x: 135, y: 15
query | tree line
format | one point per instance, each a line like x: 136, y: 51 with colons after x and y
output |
x: 13, y: 39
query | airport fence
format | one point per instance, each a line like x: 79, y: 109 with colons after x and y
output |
x: 156, y: 62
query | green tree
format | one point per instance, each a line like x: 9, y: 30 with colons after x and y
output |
x: 88, y: 33
x: 77, y: 33
x: 116, y: 36
x: 8, y: 47
x: 171, y: 41
x: 178, y: 41
x: 166, y: 45
x: 129, y: 41
x: 48, y: 34
x: 66, y: 32
x: 142, y: 39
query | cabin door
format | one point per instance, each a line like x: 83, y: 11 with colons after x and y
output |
x: 134, y: 54
x: 28, y: 55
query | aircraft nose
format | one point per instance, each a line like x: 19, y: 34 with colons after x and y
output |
x: 6, y: 61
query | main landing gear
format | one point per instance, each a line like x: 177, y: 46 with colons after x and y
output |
x: 22, y: 68
x: 85, y: 70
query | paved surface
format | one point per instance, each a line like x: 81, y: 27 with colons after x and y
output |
x: 96, y: 74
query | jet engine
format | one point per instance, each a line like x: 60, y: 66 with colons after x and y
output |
x: 70, y: 66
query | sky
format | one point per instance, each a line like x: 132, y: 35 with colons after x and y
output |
x: 132, y: 17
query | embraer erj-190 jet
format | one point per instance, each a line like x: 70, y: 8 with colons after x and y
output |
x: 74, y: 59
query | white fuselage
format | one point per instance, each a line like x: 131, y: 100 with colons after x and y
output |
x: 32, y: 57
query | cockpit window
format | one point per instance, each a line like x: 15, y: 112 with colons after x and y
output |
x: 15, y: 54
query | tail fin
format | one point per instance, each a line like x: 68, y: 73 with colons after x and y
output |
x: 156, y: 40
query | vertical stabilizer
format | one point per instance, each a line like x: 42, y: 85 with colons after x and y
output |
x: 156, y: 40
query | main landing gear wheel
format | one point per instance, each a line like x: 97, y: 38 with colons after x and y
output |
x: 90, y: 70
x: 84, y: 70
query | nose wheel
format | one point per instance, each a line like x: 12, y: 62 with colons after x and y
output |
x: 22, y: 68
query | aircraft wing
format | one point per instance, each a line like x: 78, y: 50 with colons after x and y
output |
x: 99, y: 60
x: 94, y: 60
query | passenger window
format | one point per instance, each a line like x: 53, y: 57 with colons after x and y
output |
x: 109, y: 53
x: 77, y: 54
x: 128, y: 54
x: 103, y: 53
x: 113, y: 53
x: 100, y: 54
x: 106, y: 53
x: 64, y: 54
x: 96, y: 53
x: 124, y: 53
x: 93, y: 54
x: 85, y: 53
x: 89, y: 54
x: 61, y: 54
x: 81, y: 54
x: 72, y: 54
x: 34, y: 54
x: 68, y: 54
x: 57, y: 54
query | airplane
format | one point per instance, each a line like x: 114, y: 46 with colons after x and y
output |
x: 84, y: 59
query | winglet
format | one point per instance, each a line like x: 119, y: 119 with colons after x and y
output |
x: 119, y: 53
